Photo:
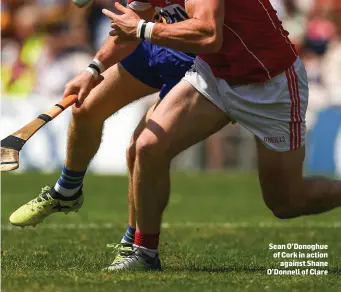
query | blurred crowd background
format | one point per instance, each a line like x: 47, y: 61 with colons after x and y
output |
x: 47, y: 42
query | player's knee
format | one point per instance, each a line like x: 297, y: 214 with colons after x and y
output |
x: 282, y: 204
x: 149, y: 148
x: 131, y: 154
x: 80, y: 113
x: 84, y: 114
x: 281, y: 212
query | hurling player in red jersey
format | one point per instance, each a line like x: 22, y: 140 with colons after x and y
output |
x: 247, y: 72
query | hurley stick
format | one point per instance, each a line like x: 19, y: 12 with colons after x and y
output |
x: 11, y: 145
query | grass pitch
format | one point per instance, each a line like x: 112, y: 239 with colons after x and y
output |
x: 215, y: 238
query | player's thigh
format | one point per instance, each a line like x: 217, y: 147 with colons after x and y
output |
x: 131, y: 150
x: 183, y: 118
x: 280, y: 175
x: 118, y: 89
x: 142, y: 124
x: 276, y: 115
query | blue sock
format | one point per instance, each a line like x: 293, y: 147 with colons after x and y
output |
x: 129, y: 236
x: 69, y: 182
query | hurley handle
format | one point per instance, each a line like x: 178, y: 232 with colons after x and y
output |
x: 61, y: 106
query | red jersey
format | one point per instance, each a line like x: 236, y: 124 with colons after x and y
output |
x: 255, y: 48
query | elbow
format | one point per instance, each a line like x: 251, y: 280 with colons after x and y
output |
x: 213, y: 42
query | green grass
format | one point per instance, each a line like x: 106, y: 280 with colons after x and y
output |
x: 199, y: 251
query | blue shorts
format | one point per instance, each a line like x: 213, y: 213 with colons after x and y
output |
x: 158, y: 67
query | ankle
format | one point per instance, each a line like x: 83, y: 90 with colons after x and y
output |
x: 129, y: 236
x: 148, y: 241
x: 56, y: 195
x: 69, y: 183
x: 152, y: 253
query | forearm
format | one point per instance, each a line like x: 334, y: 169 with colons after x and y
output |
x: 202, y: 32
x: 112, y: 52
x: 191, y: 35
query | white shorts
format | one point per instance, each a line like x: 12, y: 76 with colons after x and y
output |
x: 273, y: 111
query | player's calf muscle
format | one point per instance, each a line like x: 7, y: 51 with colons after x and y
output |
x: 306, y: 196
x: 322, y: 194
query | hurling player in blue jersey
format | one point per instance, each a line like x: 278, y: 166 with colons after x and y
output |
x: 130, y: 71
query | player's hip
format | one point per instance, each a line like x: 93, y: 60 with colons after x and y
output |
x: 274, y: 110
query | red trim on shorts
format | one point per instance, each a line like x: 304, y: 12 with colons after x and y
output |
x: 292, y: 111
x: 297, y: 92
x: 295, y: 106
x: 295, y: 114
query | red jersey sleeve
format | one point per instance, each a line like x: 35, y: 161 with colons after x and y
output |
x: 139, y: 5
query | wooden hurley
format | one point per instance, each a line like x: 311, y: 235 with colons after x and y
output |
x: 11, y: 145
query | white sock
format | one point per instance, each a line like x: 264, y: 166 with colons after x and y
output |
x: 69, y: 182
x: 66, y: 192
x: 149, y: 252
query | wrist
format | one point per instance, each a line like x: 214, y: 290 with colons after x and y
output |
x: 99, y: 64
x: 95, y: 68
x: 144, y: 30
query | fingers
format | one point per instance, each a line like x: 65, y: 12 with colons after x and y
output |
x: 114, y: 26
x: 84, y: 92
x: 81, y: 85
x: 121, y: 8
x: 81, y: 97
x: 114, y: 32
x: 115, y: 29
x: 110, y: 14
x: 69, y: 90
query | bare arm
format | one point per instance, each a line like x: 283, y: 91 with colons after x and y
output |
x: 202, y: 32
x: 109, y: 54
x: 113, y: 52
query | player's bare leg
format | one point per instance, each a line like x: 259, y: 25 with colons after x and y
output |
x: 126, y: 245
x: 183, y: 118
x: 286, y: 192
x: 118, y: 89
x: 130, y: 155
